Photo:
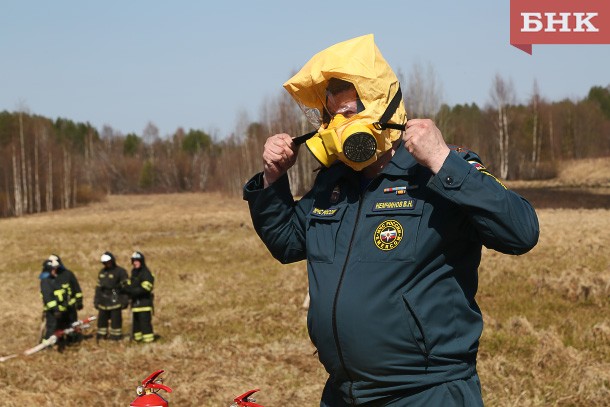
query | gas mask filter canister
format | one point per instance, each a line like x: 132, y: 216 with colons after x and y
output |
x: 346, y: 139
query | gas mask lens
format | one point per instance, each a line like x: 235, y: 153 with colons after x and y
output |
x: 341, y: 97
x: 347, y: 107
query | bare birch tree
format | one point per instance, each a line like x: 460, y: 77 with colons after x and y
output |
x: 503, y: 96
x: 150, y: 135
x: 89, y: 157
x: 536, y: 125
x: 423, y: 93
x: 24, y: 183
x: 17, y: 185
x: 204, y: 171
x: 38, y: 204
x: 551, y: 137
x: 67, y: 192
x: 49, y: 188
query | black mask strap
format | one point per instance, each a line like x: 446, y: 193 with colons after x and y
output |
x: 301, y: 139
x: 383, y: 124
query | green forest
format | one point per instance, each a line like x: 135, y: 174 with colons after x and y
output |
x: 57, y: 164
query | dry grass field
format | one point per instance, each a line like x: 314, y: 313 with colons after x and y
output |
x: 230, y: 317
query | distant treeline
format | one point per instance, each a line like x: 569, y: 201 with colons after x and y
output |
x: 55, y: 164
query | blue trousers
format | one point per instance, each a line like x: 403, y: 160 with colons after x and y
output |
x: 458, y: 393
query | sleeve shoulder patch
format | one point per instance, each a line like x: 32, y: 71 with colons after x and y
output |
x: 477, y: 165
x: 483, y: 170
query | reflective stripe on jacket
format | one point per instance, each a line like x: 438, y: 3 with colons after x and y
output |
x: 140, y: 289
x: 108, y: 289
x: 69, y: 282
x: 54, y: 296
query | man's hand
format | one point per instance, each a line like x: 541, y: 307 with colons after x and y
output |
x: 425, y: 142
x: 279, y: 155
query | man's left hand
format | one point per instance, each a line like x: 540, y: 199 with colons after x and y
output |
x: 425, y: 142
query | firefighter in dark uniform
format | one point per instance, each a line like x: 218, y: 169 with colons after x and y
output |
x: 54, y: 300
x: 140, y: 290
x: 392, y: 240
x: 70, y: 284
x: 108, y: 299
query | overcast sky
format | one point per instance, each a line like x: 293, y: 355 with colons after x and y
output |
x: 195, y: 65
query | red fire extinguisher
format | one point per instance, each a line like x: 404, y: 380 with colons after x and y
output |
x: 147, y: 392
x: 246, y: 400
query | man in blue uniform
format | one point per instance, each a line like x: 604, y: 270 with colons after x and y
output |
x: 392, y: 235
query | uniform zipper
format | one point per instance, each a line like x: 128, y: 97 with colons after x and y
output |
x: 334, y: 316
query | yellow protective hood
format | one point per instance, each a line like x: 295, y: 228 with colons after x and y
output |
x: 359, y: 62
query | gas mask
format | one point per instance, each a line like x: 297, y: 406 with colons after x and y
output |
x: 350, y: 94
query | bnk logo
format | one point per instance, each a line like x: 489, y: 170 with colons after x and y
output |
x: 559, y: 22
x: 532, y: 22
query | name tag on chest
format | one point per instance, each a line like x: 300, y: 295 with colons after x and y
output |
x: 394, y: 205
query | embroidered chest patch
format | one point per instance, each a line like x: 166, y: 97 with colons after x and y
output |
x: 388, y: 234
x: 324, y: 212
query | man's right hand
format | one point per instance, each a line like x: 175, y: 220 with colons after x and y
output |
x: 279, y: 154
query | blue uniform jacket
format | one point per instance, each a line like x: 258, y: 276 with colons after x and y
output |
x: 393, y: 272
